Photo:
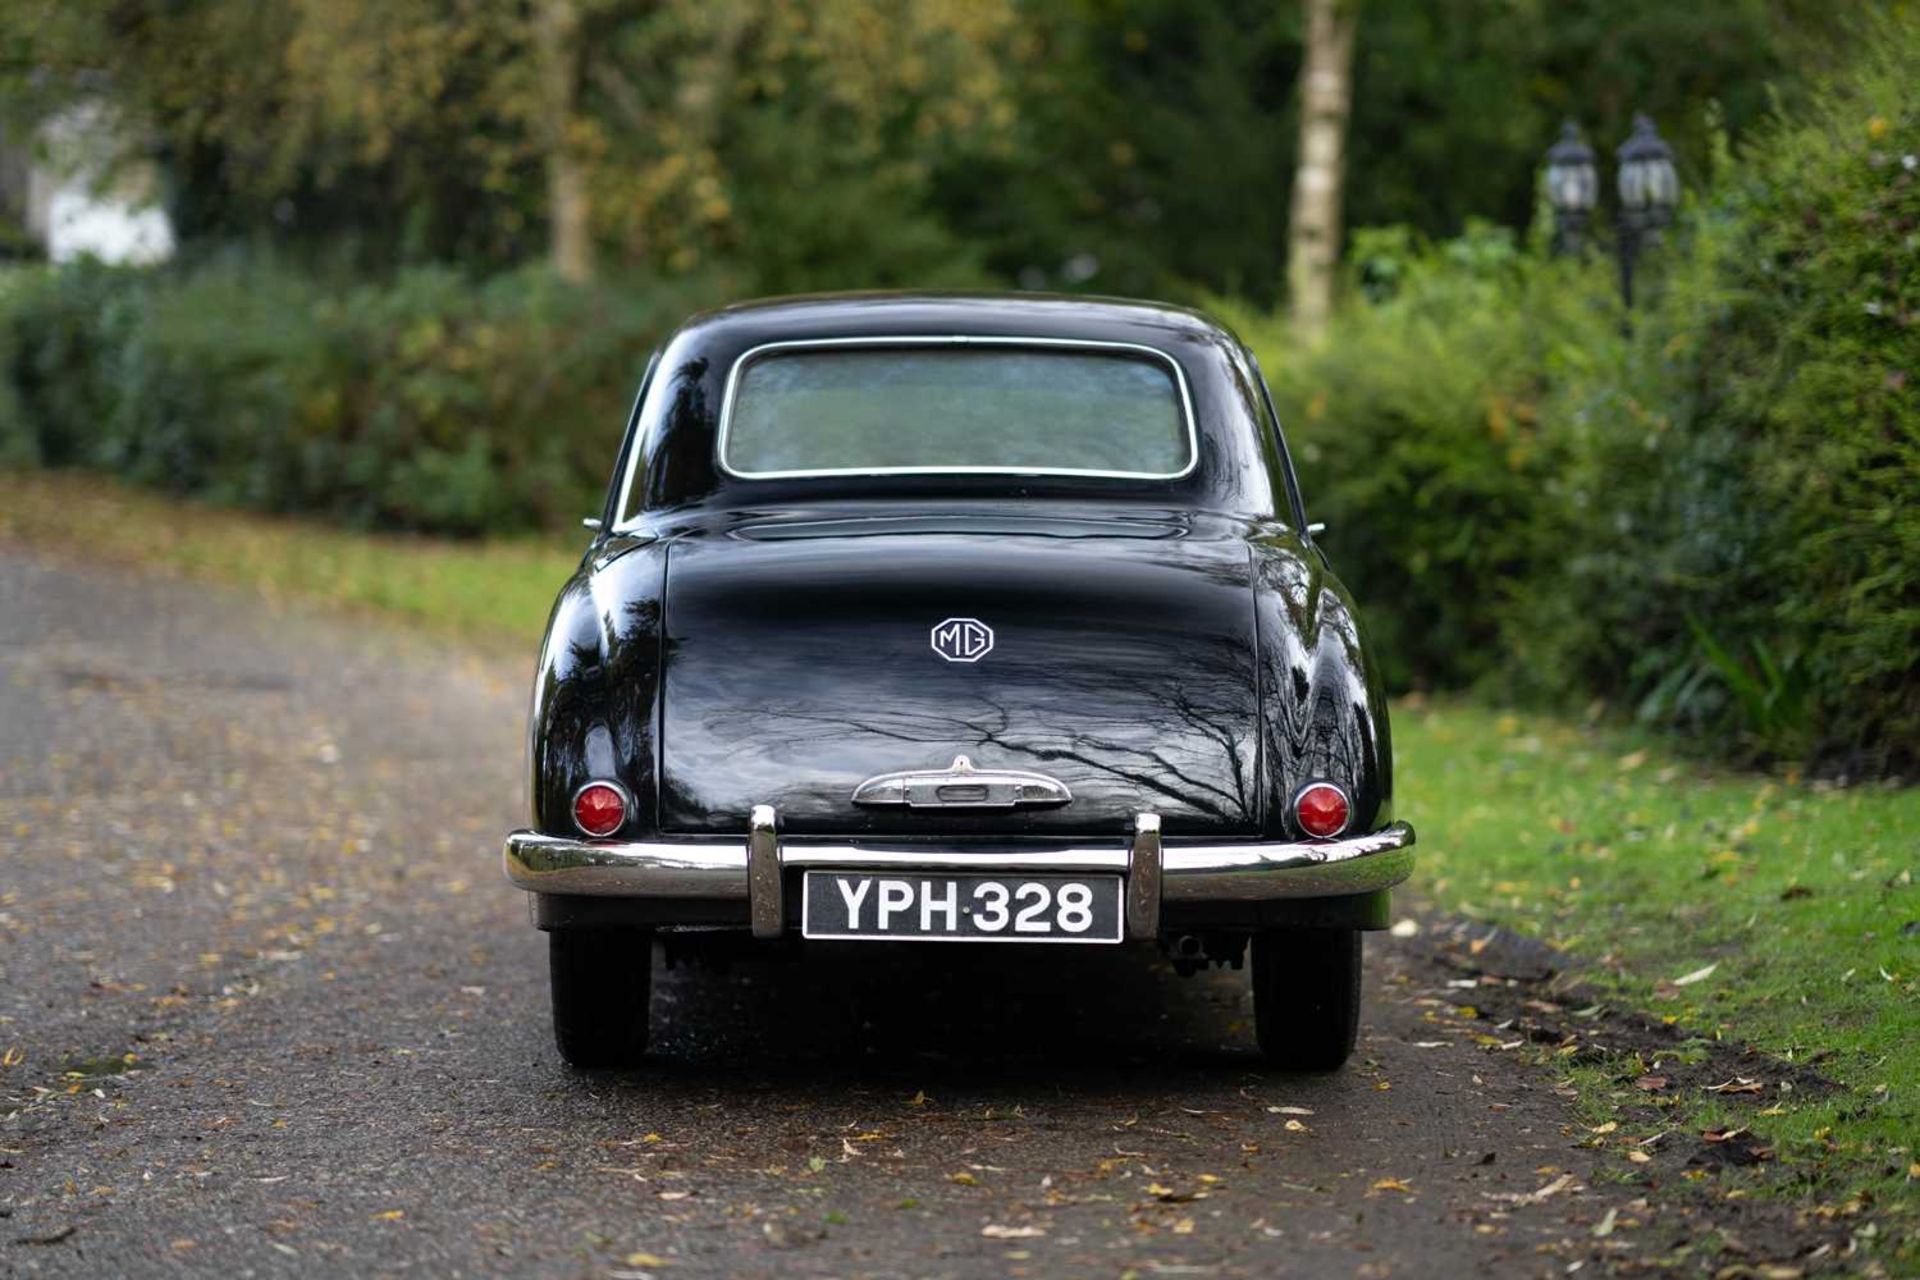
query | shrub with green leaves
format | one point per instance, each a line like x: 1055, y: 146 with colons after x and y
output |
x: 1706, y: 519
x: 430, y: 401
x: 1764, y: 444
x: 1420, y: 429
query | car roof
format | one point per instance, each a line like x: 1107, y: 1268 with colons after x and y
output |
x: 886, y: 313
x: 671, y: 456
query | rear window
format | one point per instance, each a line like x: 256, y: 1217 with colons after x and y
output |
x: 973, y: 407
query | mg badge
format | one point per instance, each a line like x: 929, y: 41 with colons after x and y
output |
x: 963, y: 639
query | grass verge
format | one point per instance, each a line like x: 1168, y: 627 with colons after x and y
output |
x: 1747, y: 909
x: 1752, y: 909
x: 494, y: 594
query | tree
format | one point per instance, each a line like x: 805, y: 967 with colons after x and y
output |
x: 556, y: 25
x: 1326, y: 98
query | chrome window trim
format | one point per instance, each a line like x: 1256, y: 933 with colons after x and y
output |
x: 748, y: 356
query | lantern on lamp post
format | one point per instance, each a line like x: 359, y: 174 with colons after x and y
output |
x: 1649, y: 190
x: 1573, y: 188
x: 1647, y: 183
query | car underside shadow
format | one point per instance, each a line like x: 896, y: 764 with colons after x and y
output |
x: 1010, y: 1008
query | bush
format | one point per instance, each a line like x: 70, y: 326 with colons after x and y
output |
x: 429, y: 402
x: 1762, y: 448
x: 60, y: 333
x: 1709, y: 520
x: 1420, y: 429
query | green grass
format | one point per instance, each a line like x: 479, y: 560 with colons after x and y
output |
x: 488, y: 593
x: 1800, y: 895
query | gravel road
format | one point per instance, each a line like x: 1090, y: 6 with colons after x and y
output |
x: 267, y: 1007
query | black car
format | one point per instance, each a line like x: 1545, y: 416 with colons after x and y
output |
x: 958, y: 618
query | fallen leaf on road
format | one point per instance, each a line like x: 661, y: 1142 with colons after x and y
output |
x: 995, y: 1231
x: 790, y: 1235
x: 390, y: 1215
x: 1554, y: 1188
x: 1291, y: 1111
x: 1639, y: 1157
x: 1390, y: 1184
x: 1408, y: 928
x: 1547, y: 1192
x: 648, y: 1260
x: 964, y: 1179
x: 1167, y: 1195
x: 1294, y: 1126
x: 1604, y: 1227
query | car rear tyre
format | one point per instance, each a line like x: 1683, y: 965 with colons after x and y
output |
x: 1306, y: 996
x: 602, y: 981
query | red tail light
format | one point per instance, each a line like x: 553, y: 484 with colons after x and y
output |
x: 1322, y: 810
x: 600, y: 808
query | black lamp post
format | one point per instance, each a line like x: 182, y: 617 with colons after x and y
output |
x: 1649, y: 189
x: 1648, y: 184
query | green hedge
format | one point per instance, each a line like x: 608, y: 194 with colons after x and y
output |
x: 429, y: 402
x: 1423, y: 433
x: 1709, y: 520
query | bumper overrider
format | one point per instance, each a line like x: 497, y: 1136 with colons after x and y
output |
x: 731, y: 869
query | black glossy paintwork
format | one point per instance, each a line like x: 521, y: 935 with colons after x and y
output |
x: 800, y: 663
x: 1174, y: 646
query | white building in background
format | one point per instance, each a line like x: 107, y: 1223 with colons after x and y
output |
x: 73, y: 212
x: 81, y: 223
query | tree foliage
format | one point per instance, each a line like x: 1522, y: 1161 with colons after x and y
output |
x: 1706, y: 518
x: 1130, y: 146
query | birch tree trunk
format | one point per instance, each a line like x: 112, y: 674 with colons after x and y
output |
x: 1326, y: 97
x: 557, y: 38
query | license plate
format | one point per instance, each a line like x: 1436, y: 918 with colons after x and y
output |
x: 946, y: 908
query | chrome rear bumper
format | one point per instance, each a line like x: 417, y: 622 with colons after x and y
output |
x: 750, y: 869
